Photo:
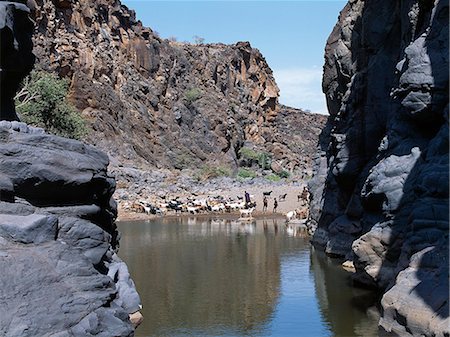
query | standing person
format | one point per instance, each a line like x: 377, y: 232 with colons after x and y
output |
x: 265, y: 204
x: 275, y: 205
x: 247, y: 199
x: 305, y: 196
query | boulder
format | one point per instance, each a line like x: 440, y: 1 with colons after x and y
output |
x: 61, y: 276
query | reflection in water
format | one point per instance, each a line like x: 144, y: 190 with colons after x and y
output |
x: 350, y: 311
x: 203, y: 276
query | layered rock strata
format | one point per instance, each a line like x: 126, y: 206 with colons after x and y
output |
x: 154, y: 103
x: 60, y: 272
x: 380, y: 192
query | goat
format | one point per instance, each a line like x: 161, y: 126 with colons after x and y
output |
x: 217, y: 208
x: 246, y: 212
x: 192, y: 210
x: 282, y: 197
x: 267, y: 194
x: 302, y: 213
x: 291, y: 215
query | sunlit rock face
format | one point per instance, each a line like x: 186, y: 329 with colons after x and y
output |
x: 380, y: 191
x: 152, y: 102
x: 16, y: 57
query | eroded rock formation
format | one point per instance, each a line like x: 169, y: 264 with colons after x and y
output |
x: 60, y: 273
x: 16, y: 57
x: 154, y: 103
x: 380, y: 193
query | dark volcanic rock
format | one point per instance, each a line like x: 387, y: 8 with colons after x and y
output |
x: 380, y: 192
x: 154, y: 103
x: 16, y: 56
x: 60, y: 274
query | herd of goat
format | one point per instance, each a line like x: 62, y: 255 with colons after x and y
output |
x: 217, y: 204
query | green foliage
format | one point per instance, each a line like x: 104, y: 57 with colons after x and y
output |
x: 273, y: 177
x: 42, y: 102
x: 209, y: 172
x: 248, y: 153
x: 264, y: 160
x: 245, y: 173
x: 192, y: 95
x: 284, y: 174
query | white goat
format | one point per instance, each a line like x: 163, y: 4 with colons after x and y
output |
x: 291, y: 215
x: 246, y: 212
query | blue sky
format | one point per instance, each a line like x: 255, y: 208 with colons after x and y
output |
x: 290, y: 34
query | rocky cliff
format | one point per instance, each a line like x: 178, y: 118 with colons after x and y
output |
x: 16, y: 57
x: 154, y: 103
x: 381, y: 186
x: 60, y: 273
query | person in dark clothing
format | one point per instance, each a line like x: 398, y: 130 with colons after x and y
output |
x: 265, y: 204
x: 275, y: 205
x: 247, y: 199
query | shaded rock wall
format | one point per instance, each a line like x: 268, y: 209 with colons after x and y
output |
x: 380, y: 192
x: 156, y: 103
x: 16, y: 57
x: 60, y: 273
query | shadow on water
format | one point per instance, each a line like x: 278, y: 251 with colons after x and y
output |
x: 349, y: 311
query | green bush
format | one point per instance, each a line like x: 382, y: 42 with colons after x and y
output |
x: 264, y: 160
x: 42, y: 102
x: 248, y: 153
x: 192, y: 95
x: 209, y: 172
x: 245, y: 173
x: 273, y: 177
x: 284, y: 174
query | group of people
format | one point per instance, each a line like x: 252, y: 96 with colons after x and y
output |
x: 265, y: 204
x: 303, y: 197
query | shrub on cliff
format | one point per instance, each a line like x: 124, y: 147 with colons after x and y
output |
x: 245, y: 173
x: 192, y: 95
x: 209, y: 172
x: 42, y: 102
x: 250, y: 157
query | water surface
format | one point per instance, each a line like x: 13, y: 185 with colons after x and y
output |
x: 221, y: 277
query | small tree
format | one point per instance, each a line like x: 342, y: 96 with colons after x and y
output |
x: 42, y: 102
x: 199, y: 39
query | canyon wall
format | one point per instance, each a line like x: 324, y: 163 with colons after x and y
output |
x: 381, y: 185
x: 60, y: 275
x: 155, y: 103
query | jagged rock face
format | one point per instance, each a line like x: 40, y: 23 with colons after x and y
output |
x: 152, y: 101
x: 380, y: 192
x: 60, y: 273
x: 155, y: 103
x: 16, y: 56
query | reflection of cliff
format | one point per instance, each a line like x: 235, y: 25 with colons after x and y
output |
x: 203, y: 280
x: 345, y: 308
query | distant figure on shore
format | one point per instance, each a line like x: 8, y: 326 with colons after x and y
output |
x: 275, y: 205
x: 304, y: 196
x: 247, y: 199
x: 265, y: 204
